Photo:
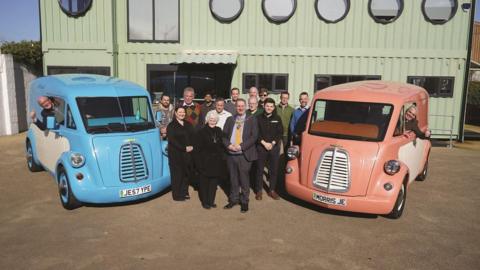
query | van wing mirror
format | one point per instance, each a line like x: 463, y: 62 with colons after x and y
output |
x: 158, y: 116
x: 51, y: 123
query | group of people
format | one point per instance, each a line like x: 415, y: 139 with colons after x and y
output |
x: 229, y: 143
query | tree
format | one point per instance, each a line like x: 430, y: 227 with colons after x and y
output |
x: 28, y: 53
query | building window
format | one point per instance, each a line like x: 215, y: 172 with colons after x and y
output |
x: 439, y: 11
x: 54, y: 70
x: 275, y: 83
x: 75, y: 8
x: 332, y: 11
x: 385, y: 11
x: 153, y: 20
x: 435, y: 86
x: 279, y: 11
x: 226, y: 10
x: 324, y: 81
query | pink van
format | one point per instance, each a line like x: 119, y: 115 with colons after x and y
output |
x: 358, y: 152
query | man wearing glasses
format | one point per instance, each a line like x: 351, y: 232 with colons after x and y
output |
x: 263, y: 94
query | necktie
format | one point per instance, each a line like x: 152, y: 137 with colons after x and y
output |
x: 238, y: 134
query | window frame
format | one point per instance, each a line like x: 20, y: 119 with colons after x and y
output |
x: 153, y: 40
x: 329, y: 76
x: 436, y: 94
x: 424, y: 12
x: 265, y: 14
x: 347, y: 10
x: 274, y: 76
x: 227, y: 20
x: 75, y: 14
x: 73, y: 68
x: 400, y: 11
x: 69, y: 118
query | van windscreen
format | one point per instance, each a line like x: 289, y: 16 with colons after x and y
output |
x: 350, y: 120
x: 115, y: 114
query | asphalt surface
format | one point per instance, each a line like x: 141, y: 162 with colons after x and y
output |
x: 440, y: 228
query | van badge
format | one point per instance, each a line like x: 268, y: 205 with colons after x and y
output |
x: 336, y: 146
x: 130, y: 140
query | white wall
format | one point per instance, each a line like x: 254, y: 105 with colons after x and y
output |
x: 14, y: 82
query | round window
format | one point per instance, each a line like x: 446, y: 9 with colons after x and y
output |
x: 332, y: 11
x: 385, y: 11
x: 75, y: 7
x: 279, y: 11
x: 439, y: 11
x: 226, y: 10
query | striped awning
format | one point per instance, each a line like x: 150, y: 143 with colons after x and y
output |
x: 206, y: 57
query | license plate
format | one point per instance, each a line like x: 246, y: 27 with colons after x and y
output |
x: 135, y: 191
x: 329, y: 200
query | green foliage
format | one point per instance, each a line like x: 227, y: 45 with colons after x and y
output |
x: 28, y: 53
x: 474, y: 94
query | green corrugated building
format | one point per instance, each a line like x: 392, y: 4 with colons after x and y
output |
x: 294, y: 45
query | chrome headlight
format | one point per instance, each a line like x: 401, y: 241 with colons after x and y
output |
x: 391, y: 167
x: 77, y: 160
x: 293, y: 152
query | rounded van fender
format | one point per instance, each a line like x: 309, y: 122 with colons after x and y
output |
x: 397, y: 179
x: 33, y: 142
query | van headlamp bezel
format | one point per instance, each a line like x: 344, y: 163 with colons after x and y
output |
x: 77, y: 160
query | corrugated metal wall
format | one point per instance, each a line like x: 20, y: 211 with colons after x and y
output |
x: 302, y: 47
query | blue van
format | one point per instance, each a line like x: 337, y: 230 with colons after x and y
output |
x: 97, y: 136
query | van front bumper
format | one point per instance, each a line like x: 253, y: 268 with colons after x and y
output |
x: 93, y: 194
x: 369, y: 204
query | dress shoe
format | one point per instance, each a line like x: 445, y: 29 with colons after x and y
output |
x: 230, y: 205
x: 258, y: 196
x: 274, y: 195
x: 187, y: 197
x: 244, y: 207
x: 213, y: 205
x: 206, y: 206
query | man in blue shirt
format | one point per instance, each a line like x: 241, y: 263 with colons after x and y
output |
x: 299, y: 117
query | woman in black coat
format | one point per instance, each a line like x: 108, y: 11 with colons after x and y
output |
x: 209, y: 159
x: 180, y: 146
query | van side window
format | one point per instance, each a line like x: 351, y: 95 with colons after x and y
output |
x: 399, y: 128
x: 70, y: 121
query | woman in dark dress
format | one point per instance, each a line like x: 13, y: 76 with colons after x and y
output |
x: 180, y: 146
x: 209, y: 159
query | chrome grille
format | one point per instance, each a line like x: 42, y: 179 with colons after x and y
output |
x: 132, y: 163
x: 333, y: 171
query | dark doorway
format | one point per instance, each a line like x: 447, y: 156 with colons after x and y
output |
x: 172, y: 79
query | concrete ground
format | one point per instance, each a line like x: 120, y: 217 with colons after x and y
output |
x: 440, y: 228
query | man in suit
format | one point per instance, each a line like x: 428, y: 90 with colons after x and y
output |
x: 239, y: 137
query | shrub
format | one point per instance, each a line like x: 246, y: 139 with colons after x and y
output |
x: 28, y: 53
x: 473, y: 97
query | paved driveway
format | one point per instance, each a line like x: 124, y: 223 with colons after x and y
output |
x: 440, y: 228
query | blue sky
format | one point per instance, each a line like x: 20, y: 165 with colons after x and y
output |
x: 19, y: 20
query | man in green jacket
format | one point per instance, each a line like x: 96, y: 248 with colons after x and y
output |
x: 285, y: 112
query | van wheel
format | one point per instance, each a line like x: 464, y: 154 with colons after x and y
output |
x: 31, y: 164
x: 422, y: 176
x: 399, y: 203
x: 67, y: 198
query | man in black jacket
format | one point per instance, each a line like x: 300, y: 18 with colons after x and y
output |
x: 239, y: 137
x: 411, y: 123
x: 270, y: 131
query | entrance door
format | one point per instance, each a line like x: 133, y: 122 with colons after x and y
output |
x: 172, y: 79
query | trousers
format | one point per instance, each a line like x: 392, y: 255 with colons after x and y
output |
x: 238, y: 169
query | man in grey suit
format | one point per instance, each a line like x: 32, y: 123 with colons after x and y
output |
x: 240, y: 135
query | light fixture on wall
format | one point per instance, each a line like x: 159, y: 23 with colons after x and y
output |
x: 466, y: 6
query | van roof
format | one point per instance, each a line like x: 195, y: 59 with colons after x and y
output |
x: 373, y: 91
x: 82, y: 85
